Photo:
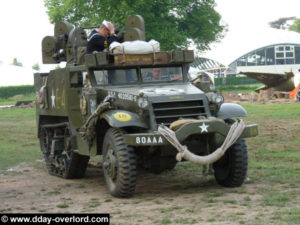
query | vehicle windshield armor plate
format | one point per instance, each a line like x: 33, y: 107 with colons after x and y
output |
x: 138, y: 75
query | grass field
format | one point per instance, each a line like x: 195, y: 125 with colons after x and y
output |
x: 271, y: 194
x: 275, y: 158
x: 12, y: 101
x: 18, y: 139
x: 239, y: 88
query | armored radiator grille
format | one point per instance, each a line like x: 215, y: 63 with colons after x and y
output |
x: 168, y: 112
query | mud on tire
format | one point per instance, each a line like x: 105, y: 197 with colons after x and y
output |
x: 119, y: 164
x: 231, y: 169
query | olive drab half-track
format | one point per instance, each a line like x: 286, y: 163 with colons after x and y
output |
x: 118, y: 105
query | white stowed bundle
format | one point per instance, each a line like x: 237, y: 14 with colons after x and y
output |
x: 134, y: 47
x: 183, y: 152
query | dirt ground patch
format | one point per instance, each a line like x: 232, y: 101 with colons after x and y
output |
x: 270, y: 195
x: 159, y: 199
x: 264, y: 97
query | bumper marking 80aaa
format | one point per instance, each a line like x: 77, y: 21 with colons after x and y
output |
x: 214, y: 126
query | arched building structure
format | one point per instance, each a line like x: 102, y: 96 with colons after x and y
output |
x: 275, y: 58
x: 202, y: 64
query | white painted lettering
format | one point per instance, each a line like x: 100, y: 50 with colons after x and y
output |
x: 125, y: 96
x: 154, y: 140
x: 144, y: 140
x: 138, y: 140
x: 160, y: 140
x: 149, y: 140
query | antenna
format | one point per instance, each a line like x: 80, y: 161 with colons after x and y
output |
x: 76, y: 13
x: 75, y: 41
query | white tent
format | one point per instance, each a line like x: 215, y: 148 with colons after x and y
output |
x: 15, y: 75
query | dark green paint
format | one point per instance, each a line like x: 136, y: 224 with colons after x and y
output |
x: 217, y: 128
x: 166, y: 101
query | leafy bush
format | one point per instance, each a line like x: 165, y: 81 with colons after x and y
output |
x: 234, y: 81
x: 6, y: 92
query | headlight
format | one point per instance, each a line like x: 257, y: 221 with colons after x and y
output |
x: 219, y: 99
x: 142, y: 103
x: 216, y: 98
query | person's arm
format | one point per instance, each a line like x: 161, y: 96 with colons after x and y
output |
x: 113, y: 36
x: 111, y: 39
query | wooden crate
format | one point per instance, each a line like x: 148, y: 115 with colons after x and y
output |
x: 142, y: 59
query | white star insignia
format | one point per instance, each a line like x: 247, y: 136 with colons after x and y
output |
x: 204, y: 127
x: 53, y: 99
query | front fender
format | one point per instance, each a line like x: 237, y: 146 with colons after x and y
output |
x: 123, y: 118
x: 231, y: 110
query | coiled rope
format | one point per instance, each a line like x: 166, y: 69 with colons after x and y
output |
x: 234, y: 133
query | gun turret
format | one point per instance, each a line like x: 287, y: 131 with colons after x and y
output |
x: 135, y: 28
x: 69, y: 43
x: 54, y: 47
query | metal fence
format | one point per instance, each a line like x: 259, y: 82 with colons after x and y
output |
x: 229, y: 81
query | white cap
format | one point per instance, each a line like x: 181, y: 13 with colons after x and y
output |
x: 105, y: 23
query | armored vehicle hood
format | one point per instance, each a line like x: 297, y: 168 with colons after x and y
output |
x: 160, y: 90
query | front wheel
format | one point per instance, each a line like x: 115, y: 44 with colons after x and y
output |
x: 119, y: 164
x: 231, y: 169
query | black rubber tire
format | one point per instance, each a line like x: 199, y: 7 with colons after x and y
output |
x: 231, y: 169
x: 124, y: 182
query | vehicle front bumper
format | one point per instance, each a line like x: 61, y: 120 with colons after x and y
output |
x: 203, y: 127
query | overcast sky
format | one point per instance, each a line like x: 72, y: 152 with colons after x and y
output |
x: 248, y: 27
x: 24, y: 23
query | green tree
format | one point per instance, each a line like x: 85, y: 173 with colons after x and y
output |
x: 171, y: 22
x: 295, y: 26
x: 36, y: 67
x: 281, y: 23
x: 16, y: 62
